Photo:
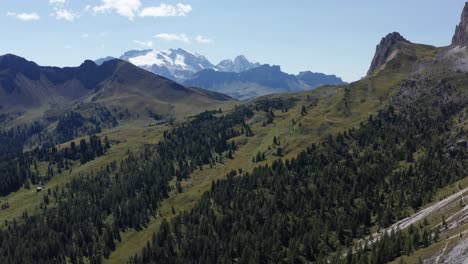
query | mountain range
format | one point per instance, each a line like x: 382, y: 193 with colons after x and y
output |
x: 30, y: 90
x: 179, y: 64
x: 259, y: 81
x: 109, y: 163
x: 238, y: 78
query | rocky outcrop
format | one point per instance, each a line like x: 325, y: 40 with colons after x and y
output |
x: 240, y: 64
x: 384, y: 50
x: 461, y: 32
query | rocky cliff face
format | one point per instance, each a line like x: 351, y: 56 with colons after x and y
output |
x: 384, y: 50
x: 461, y: 32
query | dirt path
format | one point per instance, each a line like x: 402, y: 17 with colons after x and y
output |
x: 419, y: 216
x: 443, y: 253
x: 405, y: 223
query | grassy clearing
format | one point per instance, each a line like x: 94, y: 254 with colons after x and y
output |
x: 131, y: 137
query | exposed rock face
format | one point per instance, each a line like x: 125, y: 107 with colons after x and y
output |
x: 240, y: 64
x: 384, y: 50
x: 461, y: 32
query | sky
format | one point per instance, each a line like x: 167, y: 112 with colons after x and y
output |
x: 330, y: 36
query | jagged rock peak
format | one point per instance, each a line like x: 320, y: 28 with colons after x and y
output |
x: 461, y: 32
x: 384, y: 50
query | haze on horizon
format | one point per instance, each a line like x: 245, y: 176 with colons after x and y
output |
x: 334, y: 37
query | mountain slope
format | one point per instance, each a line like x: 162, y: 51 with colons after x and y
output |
x: 280, y: 126
x: 281, y: 116
x: 30, y: 92
x: 306, y: 208
x: 303, y: 177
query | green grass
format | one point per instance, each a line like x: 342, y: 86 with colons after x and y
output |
x: 329, y: 116
x: 128, y: 137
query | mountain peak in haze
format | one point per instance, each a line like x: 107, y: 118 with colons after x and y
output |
x: 461, y: 32
x: 258, y: 81
x: 384, y: 50
x: 240, y: 64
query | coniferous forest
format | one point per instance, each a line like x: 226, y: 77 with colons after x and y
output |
x: 305, y: 209
x: 18, y: 169
x: 82, y: 220
x: 161, y: 156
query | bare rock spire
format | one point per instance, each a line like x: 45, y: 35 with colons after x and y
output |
x: 384, y: 50
x: 461, y: 32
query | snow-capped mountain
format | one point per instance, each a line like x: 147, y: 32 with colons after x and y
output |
x: 179, y: 64
x: 238, y: 78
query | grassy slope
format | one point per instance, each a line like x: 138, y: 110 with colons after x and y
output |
x: 127, y: 137
x: 450, y: 238
x: 328, y: 116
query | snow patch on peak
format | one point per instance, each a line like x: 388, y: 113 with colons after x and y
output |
x: 180, y: 65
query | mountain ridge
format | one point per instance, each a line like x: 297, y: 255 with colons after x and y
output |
x: 179, y: 64
x: 27, y: 88
x: 263, y: 80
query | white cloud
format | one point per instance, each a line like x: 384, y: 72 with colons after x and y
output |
x: 126, y: 8
x: 147, y: 44
x: 60, y: 13
x: 85, y: 35
x: 165, y: 10
x: 132, y: 8
x: 57, y: 2
x: 173, y: 37
x: 202, y: 40
x: 64, y: 14
x: 24, y: 16
x: 68, y: 46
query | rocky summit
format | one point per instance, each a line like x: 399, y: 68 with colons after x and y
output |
x: 384, y: 50
x: 461, y: 32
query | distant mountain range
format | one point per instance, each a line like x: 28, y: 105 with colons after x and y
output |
x: 238, y: 78
x: 259, y: 81
x: 179, y: 64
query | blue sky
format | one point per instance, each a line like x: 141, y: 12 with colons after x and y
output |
x: 330, y: 36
